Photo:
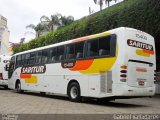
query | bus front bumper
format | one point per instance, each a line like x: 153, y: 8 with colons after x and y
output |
x: 3, y: 82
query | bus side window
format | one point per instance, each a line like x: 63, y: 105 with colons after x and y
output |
x: 104, y: 46
x: 13, y: 61
x: 45, y: 56
x: 23, y: 59
x: 60, y: 53
x: 38, y: 57
x: 52, y: 55
x: 18, y: 61
x: 70, y: 52
x: 27, y: 58
x: 79, y: 50
x: 32, y: 58
x: 92, y: 48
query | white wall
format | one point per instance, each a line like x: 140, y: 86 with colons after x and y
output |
x: 4, y: 39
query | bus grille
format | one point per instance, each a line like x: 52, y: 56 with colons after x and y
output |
x: 106, y: 82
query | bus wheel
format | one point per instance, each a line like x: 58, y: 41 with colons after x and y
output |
x: 18, y: 88
x: 74, y: 92
x: 42, y: 93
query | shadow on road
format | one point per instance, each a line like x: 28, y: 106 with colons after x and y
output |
x: 91, y: 101
x: 2, y: 88
x: 115, y: 104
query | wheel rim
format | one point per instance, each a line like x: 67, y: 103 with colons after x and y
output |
x: 74, y: 92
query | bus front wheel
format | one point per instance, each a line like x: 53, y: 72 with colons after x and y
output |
x: 74, y: 92
x: 18, y: 88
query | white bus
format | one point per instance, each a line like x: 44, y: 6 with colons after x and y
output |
x: 4, y: 59
x: 118, y: 63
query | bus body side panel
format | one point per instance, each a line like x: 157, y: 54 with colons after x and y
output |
x: 54, y: 80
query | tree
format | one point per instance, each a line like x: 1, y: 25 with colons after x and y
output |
x: 108, y: 2
x: 52, y: 22
x: 101, y: 2
x: 66, y: 20
x: 13, y: 45
x: 22, y: 40
x: 39, y: 29
x: 56, y: 20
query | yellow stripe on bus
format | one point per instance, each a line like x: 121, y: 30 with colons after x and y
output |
x: 102, y: 64
x: 141, y: 53
x: 32, y: 80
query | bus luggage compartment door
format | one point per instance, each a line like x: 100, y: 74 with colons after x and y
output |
x: 106, y: 82
x: 140, y: 74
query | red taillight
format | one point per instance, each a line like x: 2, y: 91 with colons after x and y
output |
x: 123, y: 71
x: 1, y: 76
x: 123, y: 75
x: 141, y: 83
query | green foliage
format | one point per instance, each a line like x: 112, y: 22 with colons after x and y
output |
x: 139, y: 14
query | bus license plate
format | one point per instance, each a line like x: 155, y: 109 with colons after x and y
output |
x: 141, y: 83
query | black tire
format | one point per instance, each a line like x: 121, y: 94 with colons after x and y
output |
x: 6, y: 87
x: 18, y: 88
x: 74, y: 92
x: 42, y: 93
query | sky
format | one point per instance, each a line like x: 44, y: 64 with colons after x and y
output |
x: 20, y: 13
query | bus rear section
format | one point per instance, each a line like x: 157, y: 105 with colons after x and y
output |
x: 137, y: 70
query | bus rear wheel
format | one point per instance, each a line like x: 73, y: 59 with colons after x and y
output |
x: 18, y: 88
x: 42, y: 93
x: 74, y: 92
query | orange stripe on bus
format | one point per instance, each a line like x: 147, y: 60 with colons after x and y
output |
x: 82, y: 65
x: 22, y: 76
x: 149, y: 52
x: 81, y: 39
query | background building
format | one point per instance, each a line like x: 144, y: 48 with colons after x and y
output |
x: 4, y: 36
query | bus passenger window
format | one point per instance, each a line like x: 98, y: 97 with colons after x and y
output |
x: 27, y: 58
x: 79, y: 50
x: 60, y: 53
x: 32, y: 58
x: 18, y: 61
x: 23, y: 59
x: 70, y: 52
x: 45, y: 56
x: 53, y: 55
x: 38, y: 57
x: 92, y: 48
x: 104, y: 46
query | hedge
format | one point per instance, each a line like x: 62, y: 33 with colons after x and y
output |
x: 140, y: 14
